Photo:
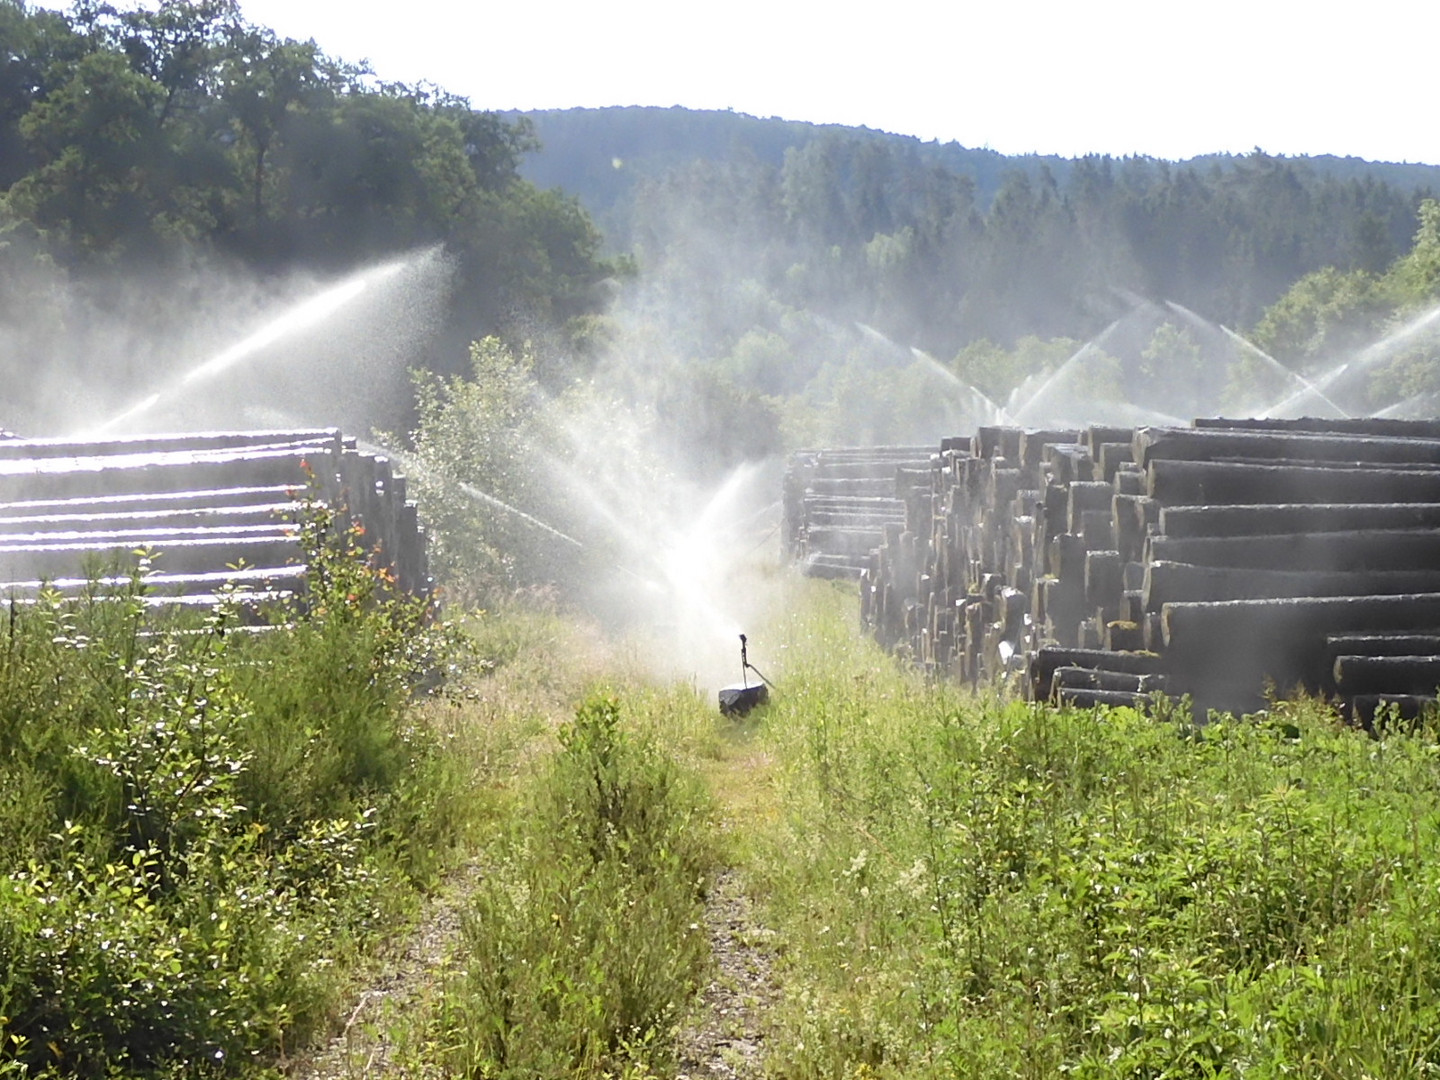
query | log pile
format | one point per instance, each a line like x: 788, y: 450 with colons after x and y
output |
x: 204, y: 509
x: 1220, y: 561
x: 837, y: 504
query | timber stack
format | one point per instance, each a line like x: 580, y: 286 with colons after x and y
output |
x: 1220, y: 561
x: 203, y: 511
x: 837, y: 504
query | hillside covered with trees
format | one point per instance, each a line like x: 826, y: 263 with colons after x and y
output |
x: 937, y: 244
x: 812, y: 265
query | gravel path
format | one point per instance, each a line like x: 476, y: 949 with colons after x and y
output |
x: 725, y: 1038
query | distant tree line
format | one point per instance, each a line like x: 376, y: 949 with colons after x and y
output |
x: 829, y: 270
x: 861, y: 228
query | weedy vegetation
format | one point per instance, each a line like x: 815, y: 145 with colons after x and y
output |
x: 584, y: 941
x: 206, y: 833
x: 203, y: 828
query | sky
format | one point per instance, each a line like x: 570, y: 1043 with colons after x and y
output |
x: 1163, y: 78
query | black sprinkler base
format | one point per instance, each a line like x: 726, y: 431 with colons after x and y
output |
x: 739, y: 700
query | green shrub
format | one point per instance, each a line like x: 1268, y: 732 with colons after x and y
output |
x: 201, y: 827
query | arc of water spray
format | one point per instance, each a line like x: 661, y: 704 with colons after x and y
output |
x: 302, y: 316
x: 1306, y: 386
x: 998, y: 414
x: 1021, y: 410
x: 1369, y: 356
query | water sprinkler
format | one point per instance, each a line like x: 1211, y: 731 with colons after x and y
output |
x: 739, y: 700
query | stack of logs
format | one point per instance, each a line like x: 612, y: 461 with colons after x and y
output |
x: 1221, y: 561
x: 205, y: 510
x: 837, y: 504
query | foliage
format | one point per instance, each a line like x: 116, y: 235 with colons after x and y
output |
x: 939, y: 246
x: 996, y: 370
x: 203, y: 826
x: 967, y: 887
x: 1327, y: 313
x: 148, y: 136
x: 584, y: 941
x: 1328, y: 316
x: 475, y: 464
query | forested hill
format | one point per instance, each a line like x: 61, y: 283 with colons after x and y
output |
x: 939, y: 246
x: 600, y: 154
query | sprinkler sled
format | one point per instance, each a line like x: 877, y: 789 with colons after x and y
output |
x: 737, y: 700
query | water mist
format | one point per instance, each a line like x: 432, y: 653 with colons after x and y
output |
x: 335, y: 357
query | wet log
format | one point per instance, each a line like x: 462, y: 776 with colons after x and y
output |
x: 1057, y: 509
x: 1130, y: 482
x: 1047, y: 661
x: 19, y: 562
x: 1371, y: 550
x: 71, y: 477
x: 1174, y: 582
x: 1033, y: 449
x: 1064, y: 608
x: 1372, y: 425
x: 1180, y: 483
x: 1106, y: 679
x: 1192, y: 444
x: 146, y: 502
x: 74, y: 518
x: 833, y: 567
x: 1067, y: 464
x: 1387, y: 674
x: 1097, y: 529
x: 270, y: 580
x: 1104, y: 580
x: 1079, y: 698
x: 327, y: 440
x: 841, y: 541
x: 881, y: 468
x: 1067, y: 558
x: 1086, y: 495
x: 1261, y: 520
x: 1097, y: 435
x: 1110, y: 458
x: 1401, y: 644
x: 1225, y: 652
x: 1130, y: 521
x: 1124, y: 635
x: 871, y: 488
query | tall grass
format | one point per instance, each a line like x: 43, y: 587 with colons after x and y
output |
x: 584, y: 941
x: 968, y: 887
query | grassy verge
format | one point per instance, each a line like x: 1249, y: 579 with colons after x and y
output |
x: 965, y: 887
x: 203, y: 833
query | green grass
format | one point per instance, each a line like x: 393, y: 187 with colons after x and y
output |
x: 204, y: 836
x: 585, y: 939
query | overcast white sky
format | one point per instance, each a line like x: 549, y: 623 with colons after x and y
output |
x: 1160, y: 78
